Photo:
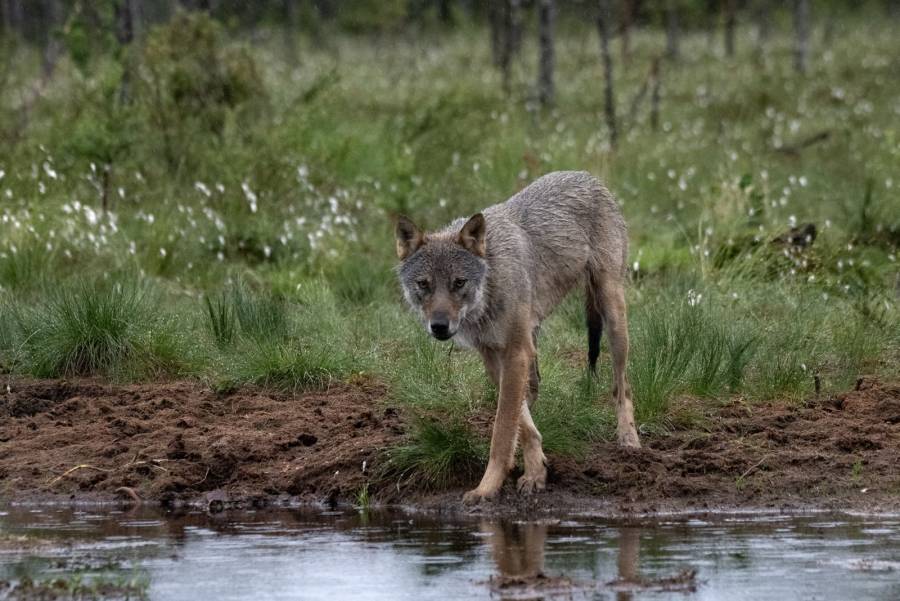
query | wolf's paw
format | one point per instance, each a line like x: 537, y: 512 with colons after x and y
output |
x: 530, y: 483
x: 629, y: 439
x: 477, y: 495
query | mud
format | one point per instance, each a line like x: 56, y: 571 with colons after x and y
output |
x: 88, y: 440
x: 164, y: 442
x: 838, y: 453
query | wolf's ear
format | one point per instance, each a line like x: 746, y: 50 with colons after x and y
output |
x: 409, y: 237
x: 471, y: 236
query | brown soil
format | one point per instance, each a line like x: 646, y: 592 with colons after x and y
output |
x: 159, y: 442
x: 183, y: 441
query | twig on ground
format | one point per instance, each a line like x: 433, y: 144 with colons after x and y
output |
x: 753, y: 467
x: 83, y: 466
x: 794, y: 149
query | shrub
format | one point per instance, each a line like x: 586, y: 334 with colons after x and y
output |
x: 194, y: 81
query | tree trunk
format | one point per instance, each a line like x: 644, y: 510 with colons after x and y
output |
x: 514, y: 26
x: 655, y: 83
x: 830, y: 25
x: 763, y: 25
x: 13, y: 16
x: 137, y: 17
x: 124, y: 22
x: 53, y: 16
x: 124, y: 37
x: 801, y: 34
x: 495, y: 22
x: 291, y: 24
x: 546, y: 19
x: 712, y: 22
x: 445, y: 12
x: 603, y: 26
x: 508, y: 37
x: 730, y: 9
x: 893, y: 7
x: 627, y: 19
x: 200, y: 5
x: 673, y: 51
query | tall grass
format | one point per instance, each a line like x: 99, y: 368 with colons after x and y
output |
x: 87, y: 328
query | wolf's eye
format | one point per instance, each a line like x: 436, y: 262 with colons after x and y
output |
x: 458, y: 283
x: 423, y: 285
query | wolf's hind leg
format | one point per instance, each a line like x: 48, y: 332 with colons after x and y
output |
x: 615, y: 319
x: 535, y: 476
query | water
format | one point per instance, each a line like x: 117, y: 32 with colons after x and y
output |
x: 394, y: 556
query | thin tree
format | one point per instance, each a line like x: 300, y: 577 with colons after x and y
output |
x: 124, y: 36
x: 546, y: 20
x: 763, y: 25
x: 495, y: 26
x: 604, y: 15
x: 673, y: 51
x: 801, y: 34
x: 730, y: 10
x: 655, y: 82
x: 712, y: 21
x: 627, y: 19
x: 13, y: 15
x: 291, y: 23
x: 445, y: 13
x: 54, y: 17
x: 506, y: 32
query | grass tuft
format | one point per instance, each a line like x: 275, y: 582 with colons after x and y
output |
x: 439, y: 453
x: 91, y: 328
x: 221, y: 319
x: 290, y: 366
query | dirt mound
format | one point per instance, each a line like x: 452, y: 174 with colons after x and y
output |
x: 182, y: 439
x: 838, y: 452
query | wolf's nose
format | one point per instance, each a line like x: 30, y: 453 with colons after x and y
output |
x: 440, y: 329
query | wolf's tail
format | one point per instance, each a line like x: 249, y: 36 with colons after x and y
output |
x: 595, y: 331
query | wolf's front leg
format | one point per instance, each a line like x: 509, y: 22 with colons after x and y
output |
x: 513, y: 381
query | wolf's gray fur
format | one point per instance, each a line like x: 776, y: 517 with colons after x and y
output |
x: 491, y: 280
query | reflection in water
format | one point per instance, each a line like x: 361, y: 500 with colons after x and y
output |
x: 629, y: 558
x: 293, y: 554
x: 518, y: 550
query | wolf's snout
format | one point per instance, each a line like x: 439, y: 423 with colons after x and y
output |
x: 440, y: 327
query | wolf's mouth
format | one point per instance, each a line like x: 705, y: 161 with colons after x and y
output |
x: 443, y: 335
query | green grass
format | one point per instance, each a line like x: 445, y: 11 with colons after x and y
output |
x: 439, y: 453
x: 262, y: 249
x: 89, y: 328
x: 290, y: 366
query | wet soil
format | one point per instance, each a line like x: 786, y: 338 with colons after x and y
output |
x: 181, y: 441
x: 173, y: 441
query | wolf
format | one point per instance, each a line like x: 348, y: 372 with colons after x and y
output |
x: 488, y: 282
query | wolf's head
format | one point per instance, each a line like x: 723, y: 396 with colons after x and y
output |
x: 442, y: 275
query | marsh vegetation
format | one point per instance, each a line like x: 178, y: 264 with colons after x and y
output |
x: 227, y: 217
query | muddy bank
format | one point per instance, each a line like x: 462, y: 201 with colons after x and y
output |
x: 88, y: 440
x: 181, y: 440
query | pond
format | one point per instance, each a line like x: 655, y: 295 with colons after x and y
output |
x: 390, y: 555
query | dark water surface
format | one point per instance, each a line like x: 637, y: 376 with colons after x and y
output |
x: 294, y: 554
